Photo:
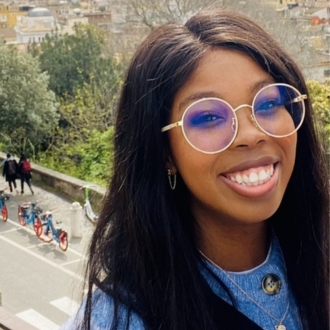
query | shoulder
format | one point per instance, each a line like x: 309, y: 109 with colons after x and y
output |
x: 102, y: 315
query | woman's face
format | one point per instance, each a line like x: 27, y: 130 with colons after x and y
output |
x: 213, y: 179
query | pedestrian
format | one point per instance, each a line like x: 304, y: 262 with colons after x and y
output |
x: 217, y: 210
x: 10, y: 172
x: 24, y: 169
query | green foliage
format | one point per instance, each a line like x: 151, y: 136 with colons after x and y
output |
x: 27, y: 107
x: 79, y: 116
x: 320, y: 97
x: 90, y: 161
x: 72, y: 60
x: 86, y: 81
x: 83, y: 141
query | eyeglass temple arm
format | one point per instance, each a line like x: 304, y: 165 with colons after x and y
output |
x: 170, y: 126
x: 299, y: 98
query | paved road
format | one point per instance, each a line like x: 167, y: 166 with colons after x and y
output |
x: 40, y: 283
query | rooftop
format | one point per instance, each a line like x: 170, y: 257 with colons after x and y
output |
x: 39, y: 12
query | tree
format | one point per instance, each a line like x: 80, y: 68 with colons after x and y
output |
x: 152, y: 13
x: 286, y: 31
x: 89, y: 160
x: 320, y: 97
x: 80, y: 66
x: 86, y: 80
x: 70, y: 60
x: 27, y: 106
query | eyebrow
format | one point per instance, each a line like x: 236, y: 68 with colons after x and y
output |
x: 254, y: 88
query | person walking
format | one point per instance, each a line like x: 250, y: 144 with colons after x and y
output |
x: 10, y: 172
x: 24, y: 169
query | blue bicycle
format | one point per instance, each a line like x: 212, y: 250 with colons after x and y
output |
x: 28, y: 213
x: 3, y: 207
x: 51, y: 233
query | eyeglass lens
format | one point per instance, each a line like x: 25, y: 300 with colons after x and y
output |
x: 210, y: 125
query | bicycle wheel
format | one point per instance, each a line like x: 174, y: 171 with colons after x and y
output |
x: 39, y: 231
x: 64, y: 241
x: 21, y: 219
x: 4, y: 213
x: 37, y: 225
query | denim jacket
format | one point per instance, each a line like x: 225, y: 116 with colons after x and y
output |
x: 273, y: 306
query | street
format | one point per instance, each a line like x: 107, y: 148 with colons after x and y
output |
x: 38, y: 282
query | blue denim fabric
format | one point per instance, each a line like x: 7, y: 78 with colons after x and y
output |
x: 249, y: 281
x: 103, y: 308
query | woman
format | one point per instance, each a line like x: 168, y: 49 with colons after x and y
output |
x: 217, y: 212
x: 10, y: 171
x: 24, y: 170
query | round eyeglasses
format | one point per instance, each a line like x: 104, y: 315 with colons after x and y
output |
x: 210, y: 125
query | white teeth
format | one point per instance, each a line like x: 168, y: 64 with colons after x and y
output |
x: 246, y: 179
x: 239, y: 178
x: 263, y: 176
x: 254, y: 179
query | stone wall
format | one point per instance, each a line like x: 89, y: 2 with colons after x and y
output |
x: 63, y: 184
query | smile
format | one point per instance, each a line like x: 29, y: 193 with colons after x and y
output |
x: 253, y: 176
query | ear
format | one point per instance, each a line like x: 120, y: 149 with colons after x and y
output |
x: 169, y: 164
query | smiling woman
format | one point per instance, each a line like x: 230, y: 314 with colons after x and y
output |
x: 217, y: 212
x: 250, y: 152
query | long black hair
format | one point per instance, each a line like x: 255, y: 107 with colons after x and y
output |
x: 143, y: 251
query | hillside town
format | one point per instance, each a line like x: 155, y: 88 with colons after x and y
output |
x: 22, y: 23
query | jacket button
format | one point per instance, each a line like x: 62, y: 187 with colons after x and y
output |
x: 271, y: 284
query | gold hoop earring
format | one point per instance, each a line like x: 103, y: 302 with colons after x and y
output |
x: 169, y: 174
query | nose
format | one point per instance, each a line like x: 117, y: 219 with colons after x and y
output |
x: 248, y: 134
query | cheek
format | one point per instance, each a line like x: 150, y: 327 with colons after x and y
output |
x: 189, y: 162
x: 180, y: 149
x: 178, y: 145
x: 289, y: 146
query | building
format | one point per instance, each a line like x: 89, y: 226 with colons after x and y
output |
x: 313, y: 20
x: 67, y: 19
x: 34, y: 27
x: 9, y: 14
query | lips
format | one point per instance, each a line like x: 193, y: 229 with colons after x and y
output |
x: 253, y: 178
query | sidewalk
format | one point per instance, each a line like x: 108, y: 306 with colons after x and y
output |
x: 48, y: 200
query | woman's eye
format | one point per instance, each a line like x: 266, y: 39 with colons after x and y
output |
x: 207, y: 119
x: 268, y: 105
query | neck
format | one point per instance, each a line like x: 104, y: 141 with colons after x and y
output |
x: 235, y: 248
